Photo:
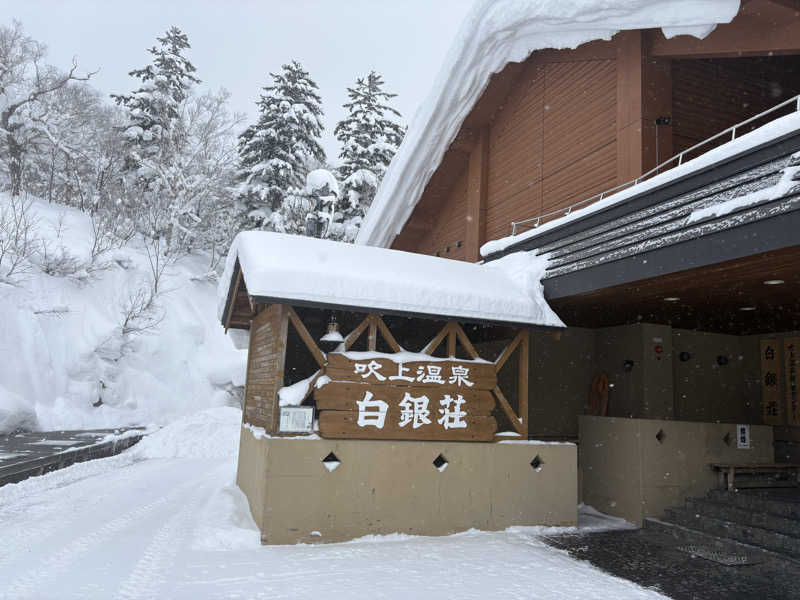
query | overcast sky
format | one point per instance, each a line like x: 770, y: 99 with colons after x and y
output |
x: 236, y: 43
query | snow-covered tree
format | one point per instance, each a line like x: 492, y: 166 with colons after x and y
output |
x: 274, y: 150
x: 181, y: 159
x: 369, y: 138
x: 155, y: 106
x: 26, y: 86
x: 310, y: 210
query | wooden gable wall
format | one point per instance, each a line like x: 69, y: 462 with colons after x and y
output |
x: 567, y: 124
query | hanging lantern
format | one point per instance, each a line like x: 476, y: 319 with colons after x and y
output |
x: 332, y: 335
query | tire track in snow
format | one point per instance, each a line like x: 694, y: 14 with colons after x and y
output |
x: 59, y: 562
x: 28, y: 516
x: 150, y: 571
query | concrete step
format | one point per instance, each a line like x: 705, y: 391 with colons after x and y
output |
x: 673, y: 534
x: 753, y: 502
x: 744, y: 516
x: 681, y: 536
x: 755, y: 536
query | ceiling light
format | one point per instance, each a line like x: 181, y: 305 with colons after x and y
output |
x: 671, y: 299
x: 774, y: 282
x: 747, y: 308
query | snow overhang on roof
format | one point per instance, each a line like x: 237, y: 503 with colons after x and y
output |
x: 495, y: 33
x: 307, y: 271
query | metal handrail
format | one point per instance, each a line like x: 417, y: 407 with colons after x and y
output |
x: 679, y: 157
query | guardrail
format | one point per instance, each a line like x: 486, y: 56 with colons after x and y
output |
x: 534, y: 222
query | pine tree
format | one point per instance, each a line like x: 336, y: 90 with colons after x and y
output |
x: 369, y: 139
x: 155, y: 106
x: 275, y: 149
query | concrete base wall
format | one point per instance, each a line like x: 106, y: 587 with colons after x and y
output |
x: 386, y: 487
x: 628, y: 473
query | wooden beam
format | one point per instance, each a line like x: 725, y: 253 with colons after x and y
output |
x: 387, y: 335
x: 232, y: 304
x: 504, y: 356
x: 465, y: 140
x: 451, y: 343
x: 306, y: 337
x: 281, y: 339
x: 629, y: 105
x: 477, y: 196
x: 311, y: 385
x: 524, y: 366
x: 354, y: 335
x: 762, y: 28
x: 434, y: 343
x: 509, y: 412
x: 372, y: 336
x: 462, y: 337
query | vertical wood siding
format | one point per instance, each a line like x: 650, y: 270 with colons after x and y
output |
x: 265, y: 367
x: 450, y: 227
x: 554, y: 141
x: 713, y: 94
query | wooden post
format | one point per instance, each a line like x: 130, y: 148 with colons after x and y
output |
x: 266, y: 362
x: 372, y: 339
x: 477, y: 195
x: 629, y: 105
x: 451, y: 343
x: 524, y: 364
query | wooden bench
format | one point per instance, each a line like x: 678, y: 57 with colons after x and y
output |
x: 730, y: 470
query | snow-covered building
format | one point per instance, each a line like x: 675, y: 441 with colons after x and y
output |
x: 388, y: 391
x: 649, y: 151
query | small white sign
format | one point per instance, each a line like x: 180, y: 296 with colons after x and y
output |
x: 296, y: 419
x: 742, y: 436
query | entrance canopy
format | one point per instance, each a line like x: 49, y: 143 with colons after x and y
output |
x: 267, y: 268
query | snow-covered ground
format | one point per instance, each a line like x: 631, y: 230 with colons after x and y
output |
x: 61, y: 342
x: 165, y: 520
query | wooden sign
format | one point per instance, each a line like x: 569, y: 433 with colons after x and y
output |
x: 791, y: 361
x: 368, y: 411
x: 457, y: 374
x: 380, y: 398
x: 771, y: 401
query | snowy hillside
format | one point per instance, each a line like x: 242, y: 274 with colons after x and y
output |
x: 69, y: 359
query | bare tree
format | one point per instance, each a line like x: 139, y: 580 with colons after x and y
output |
x: 18, y: 238
x: 25, y: 81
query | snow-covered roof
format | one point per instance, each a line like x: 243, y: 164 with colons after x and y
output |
x: 494, y: 34
x: 293, y: 268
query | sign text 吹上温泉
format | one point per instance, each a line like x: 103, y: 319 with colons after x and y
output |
x: 379, y: 398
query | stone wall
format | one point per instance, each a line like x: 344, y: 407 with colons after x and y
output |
x: 635, y: 468
x: 382, y: 487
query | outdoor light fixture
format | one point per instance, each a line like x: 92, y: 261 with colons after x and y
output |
x: 747, y: 308
x: 671, y: 299
x: 627, y: 366
x: 774, y: 282
x: 684, y: 356
x: 332, y: 336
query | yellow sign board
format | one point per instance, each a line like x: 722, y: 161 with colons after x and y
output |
x: 771, y: 369
x: 791, y: 361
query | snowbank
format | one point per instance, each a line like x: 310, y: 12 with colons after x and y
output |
x: 494, y: 34
x: 334, y: 273
x: 61, y: 347
x: 210, y: 433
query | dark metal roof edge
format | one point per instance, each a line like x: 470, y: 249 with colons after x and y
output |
x: 718, y: 247
x: 743, y: 161
x: 397, y: 313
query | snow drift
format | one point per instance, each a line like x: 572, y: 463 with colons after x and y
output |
x: 62, y: 349
x: 494, y: 34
